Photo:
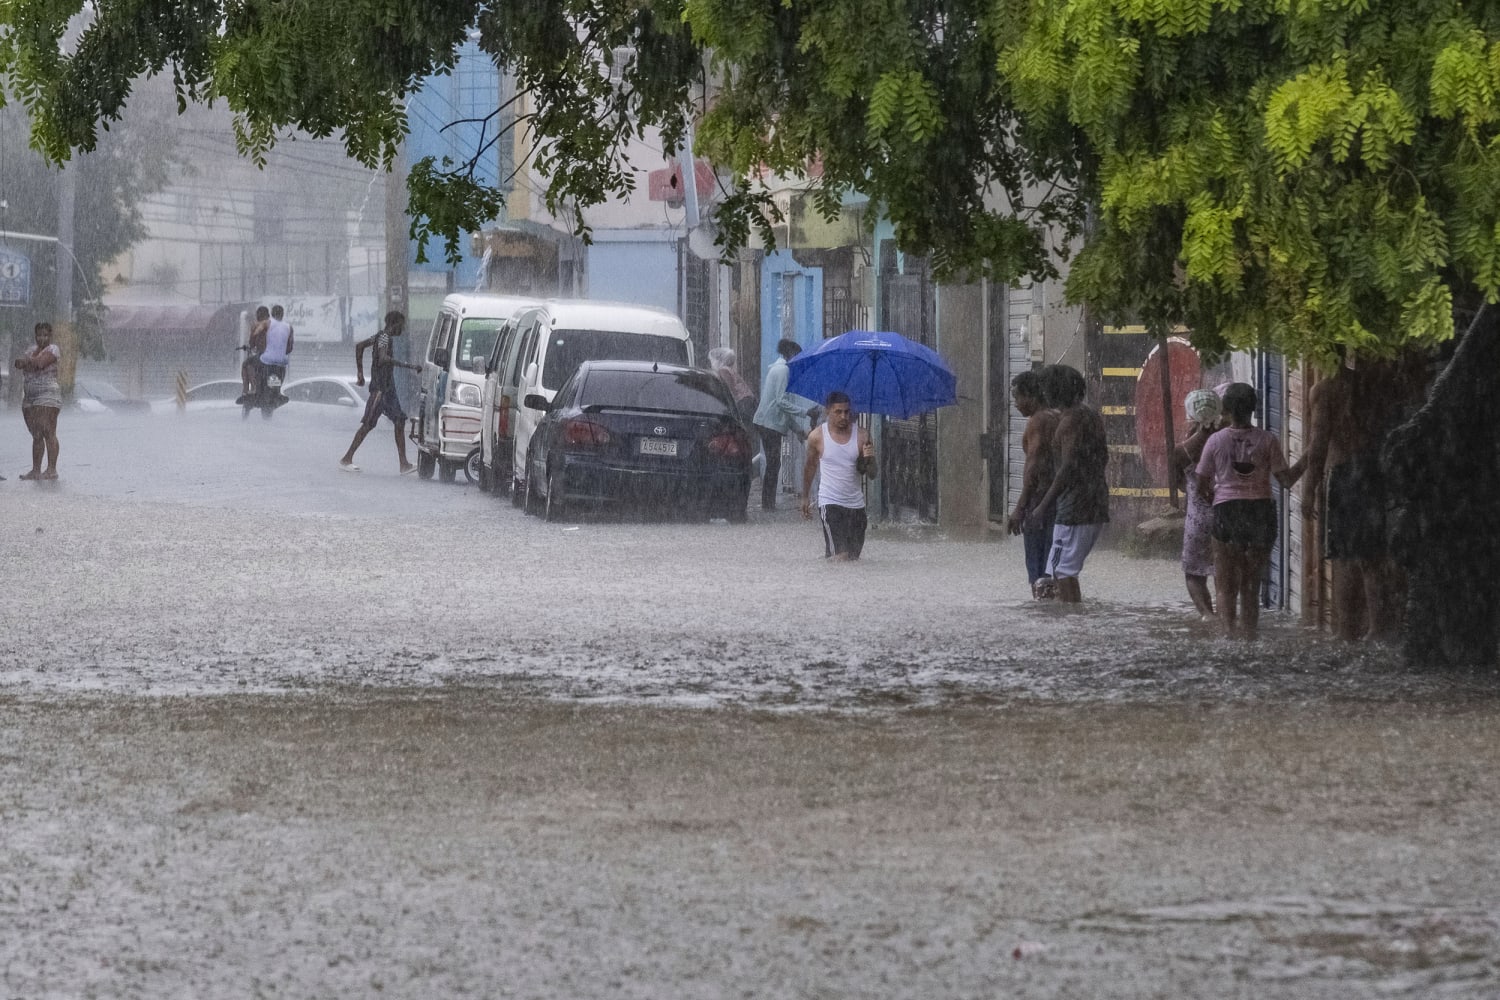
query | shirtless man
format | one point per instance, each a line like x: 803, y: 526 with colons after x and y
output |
x: 1079, y: 487
x: 383, y: 398
x: 845, y: 455
x: 1038, y: 444
x: 1350, y: 416
x: 254, y: 345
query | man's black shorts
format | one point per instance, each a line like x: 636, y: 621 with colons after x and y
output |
x: 1251, y: 523
x: 844, y: 530
x: 383, y: 403
x: 1355, y: 523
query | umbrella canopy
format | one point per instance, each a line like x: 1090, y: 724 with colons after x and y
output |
x: 880, y: 372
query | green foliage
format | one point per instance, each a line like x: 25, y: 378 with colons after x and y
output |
x: 443, y: 204
x: 346, y: 68
x: 901, y: 101
x: 1296, y: 174
x: 1279, y: 173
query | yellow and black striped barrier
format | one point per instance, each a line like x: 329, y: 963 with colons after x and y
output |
x: 181, y: 391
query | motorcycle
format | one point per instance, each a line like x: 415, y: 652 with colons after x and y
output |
x: 265, y: 393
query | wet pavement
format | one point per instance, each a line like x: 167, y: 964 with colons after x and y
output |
x: 274, y: 728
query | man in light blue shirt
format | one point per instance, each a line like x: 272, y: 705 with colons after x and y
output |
x: 779, y: 413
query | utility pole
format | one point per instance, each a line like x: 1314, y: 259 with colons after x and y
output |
x: 62, y: 322
x: 396, y: 229
x: 396, y: 239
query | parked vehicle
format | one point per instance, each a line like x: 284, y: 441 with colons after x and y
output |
x: 219, y: 394
x: 91, y: 396
x: 641, y: 434
x: 452, y: 379
x: 326, y: 390
x: 554, y: 338
x: 497, y: 411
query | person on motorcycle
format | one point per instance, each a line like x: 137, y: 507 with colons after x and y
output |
x: 254, y: 345
x: 279, y: 342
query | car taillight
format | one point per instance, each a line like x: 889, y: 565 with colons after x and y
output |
x: 502, y: 418
x: 730, y: 444
x: 579, y: 433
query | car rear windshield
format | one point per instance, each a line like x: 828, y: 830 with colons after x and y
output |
x: 476, y: 338
x: 684, y: 392
x: 571, y: 348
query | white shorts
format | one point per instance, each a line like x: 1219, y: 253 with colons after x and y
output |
x: 1071, y: 545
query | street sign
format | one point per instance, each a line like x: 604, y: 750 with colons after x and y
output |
x: 15, y: 278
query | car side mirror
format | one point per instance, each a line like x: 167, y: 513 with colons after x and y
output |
x: 537, y: 401
x: 440, y: 357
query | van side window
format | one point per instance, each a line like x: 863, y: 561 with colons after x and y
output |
x: 528, y: 346
x: 445, y: 334
x: 439, y: 334
x: 502, y: 344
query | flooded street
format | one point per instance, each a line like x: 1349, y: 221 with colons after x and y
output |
x: 270, y: 728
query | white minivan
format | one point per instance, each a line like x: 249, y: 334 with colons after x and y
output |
x: 555, y: 337
x: 447, y: 414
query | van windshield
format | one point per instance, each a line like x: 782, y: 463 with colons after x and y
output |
x: 476, y: 338
x: 571, y: 348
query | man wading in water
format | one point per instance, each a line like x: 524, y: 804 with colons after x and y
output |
x: 1038, y: 442
x: 1078, y: 488
x: 845, y: 455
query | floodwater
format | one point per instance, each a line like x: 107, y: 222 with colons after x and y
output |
x: 271, y: 728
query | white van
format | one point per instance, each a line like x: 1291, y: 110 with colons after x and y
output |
x: 556, y: 337
x: 497, y: 410
x: 447, y: 413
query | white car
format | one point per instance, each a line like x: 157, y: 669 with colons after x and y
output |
x: 328, y: 390
x: 215, y: 395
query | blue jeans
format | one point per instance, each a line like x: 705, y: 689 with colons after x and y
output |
x: 1038, y: 542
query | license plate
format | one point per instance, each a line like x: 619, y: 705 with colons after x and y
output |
x: 656, y: 446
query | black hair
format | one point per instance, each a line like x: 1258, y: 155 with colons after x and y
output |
x: 788, y: 349
x: 1029, y: 384
x: 837, y: 396
x: 1063, y: 386
x: 1240, y: 401
x: 395, y: 318
x: 261, y: 312
x: 276, y: 311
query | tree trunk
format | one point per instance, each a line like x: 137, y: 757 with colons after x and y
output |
x: 1443, y: 471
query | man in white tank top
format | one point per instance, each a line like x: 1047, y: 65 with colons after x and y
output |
x: 844, y: 455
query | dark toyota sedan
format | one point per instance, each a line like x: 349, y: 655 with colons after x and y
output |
x: 650, y: 435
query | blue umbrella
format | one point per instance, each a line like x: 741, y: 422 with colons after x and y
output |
x: 880, y: 372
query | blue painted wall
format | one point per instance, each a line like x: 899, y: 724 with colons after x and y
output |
x: 785, y: 283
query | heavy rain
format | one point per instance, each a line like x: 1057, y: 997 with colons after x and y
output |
x: 277, y: 724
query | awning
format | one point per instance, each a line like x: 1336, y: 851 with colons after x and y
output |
x: 192, y: 318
